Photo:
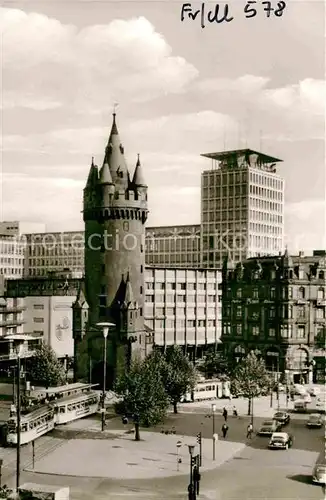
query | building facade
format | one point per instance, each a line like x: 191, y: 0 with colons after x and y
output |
x: 276, y: 307
x: 45, y: 310
x: 242, y: 207
x: 183, y: 307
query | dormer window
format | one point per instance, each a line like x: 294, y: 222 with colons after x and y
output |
x: 119, y: 173
x: 121, y: 149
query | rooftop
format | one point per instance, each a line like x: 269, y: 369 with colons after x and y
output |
x: 222, y: 155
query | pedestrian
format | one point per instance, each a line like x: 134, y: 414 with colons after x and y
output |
x: 224, y: 430
x: 225, y: 414
x: 235, y: 411
x: 249, y: 431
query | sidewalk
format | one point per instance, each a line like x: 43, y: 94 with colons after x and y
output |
x: 121, y: 457
x: 261, y: 406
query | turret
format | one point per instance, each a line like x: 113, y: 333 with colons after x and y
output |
x: 106, y: 185
x: 91, y: 188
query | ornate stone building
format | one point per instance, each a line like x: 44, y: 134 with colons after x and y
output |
x: 276, y: 307
x: 115, y: 212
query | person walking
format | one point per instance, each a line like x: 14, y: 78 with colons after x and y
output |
x: 225, y: 414
x: 249, y: 431
x: 235, y: 411
x: 224, y: 430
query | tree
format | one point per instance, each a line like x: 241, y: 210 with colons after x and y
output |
x: 250, y: 378
x: 45, y: 369
x: 214, y: 364
x: 179, y: 375
x: 143, y: 392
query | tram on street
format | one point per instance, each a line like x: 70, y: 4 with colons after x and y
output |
x: 75, y: 407
x: 32, y: 425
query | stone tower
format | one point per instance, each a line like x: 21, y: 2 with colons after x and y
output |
x: 115, y: 212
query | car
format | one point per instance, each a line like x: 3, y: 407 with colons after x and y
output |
x: 281, y: 388
x: 320, y: 403
x: 282, y: 417
x: 268, y: 427
x: 314, y: 391
x: 319, y: 470
x: 280, y: 441
x: 314, y: 420
x: 306, y: 397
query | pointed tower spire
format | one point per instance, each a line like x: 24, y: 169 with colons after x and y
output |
x: 114, y: 157
x: 92, y: 175
x: 138, y: 179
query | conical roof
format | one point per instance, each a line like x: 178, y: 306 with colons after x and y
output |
x: 138, y: 179
x: 114, y: 157
x: 80, y: 301
x: 105, y: 175
x: 92, y: 178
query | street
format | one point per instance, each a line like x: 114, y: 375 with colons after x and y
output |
x: 254, y: 473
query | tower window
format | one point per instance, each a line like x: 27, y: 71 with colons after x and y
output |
x: 141, y: 290
x: 102, y: 268
x: 141, y: 311
x: 141, y: 269
x: 141, y: 248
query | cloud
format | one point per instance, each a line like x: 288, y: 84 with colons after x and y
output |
x: 307, y: 96
x: 305, y: 225
x: 86, y: 69
x: 245, y: 84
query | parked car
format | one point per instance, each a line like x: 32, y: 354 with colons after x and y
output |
x: 319, y: 470
x: 268, y: 427
x: 300, y: 405
x: 314, y: 391
x: 314, y: 420
x: 281, y: 388
x: 280, y: 441
x: 320, y: 403
x: 282, y: 417
x: 306, y: 397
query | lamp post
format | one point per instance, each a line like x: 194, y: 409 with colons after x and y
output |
x: 213, y: 435
x: 18, y: 341
x: 105, y: 326
x: 191, y: 488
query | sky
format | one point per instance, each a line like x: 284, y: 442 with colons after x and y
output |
x: 181, y: 90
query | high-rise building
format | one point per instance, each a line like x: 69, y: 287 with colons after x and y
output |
x: 115, y: 212
x: 242, y: 207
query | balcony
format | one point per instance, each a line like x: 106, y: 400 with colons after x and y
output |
x: 12, y: 356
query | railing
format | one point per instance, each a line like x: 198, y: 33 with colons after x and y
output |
x: 12, y: 356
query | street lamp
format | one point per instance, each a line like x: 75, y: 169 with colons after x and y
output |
x: 18, y: 341
x: 191, y: 488
x: 105, y: 325
x: 213, y: 436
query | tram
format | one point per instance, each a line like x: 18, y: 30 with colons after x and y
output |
x: 75, y: 407
x: 57, y: 405
x: 32, y: 425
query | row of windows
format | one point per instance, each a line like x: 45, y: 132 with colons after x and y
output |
x: 219, y: 177
x: 265, y: 216
x: 11, y: 271
x: 266, y: 193
x: 286, y: 331
x: 286, y: 293
x: 266, y: 205
x: 182, y: 286
x: 265, y: 228
x: 286, y: 312
x: 172, y: 245
x: 266, y: 180
x: 181, y: 323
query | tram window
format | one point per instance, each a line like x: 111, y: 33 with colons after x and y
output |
x: 62, y: 409
x: 24, y: 428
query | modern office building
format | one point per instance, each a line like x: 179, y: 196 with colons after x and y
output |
x: 183, y: 307
x: 276, y: 306
x: 173, y: 246
x: 168, y: 246
x: 242, y: 207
